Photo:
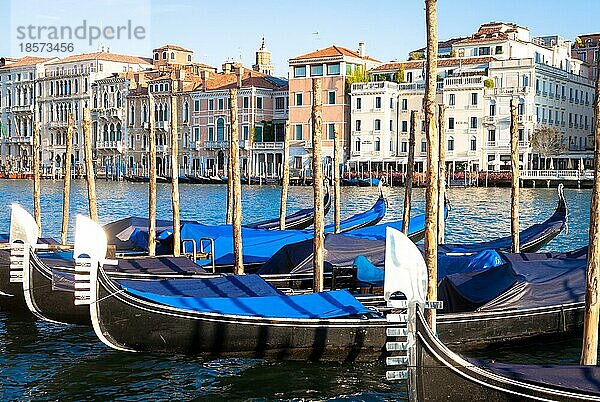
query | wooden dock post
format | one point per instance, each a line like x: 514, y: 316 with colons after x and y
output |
x: 89, y: 166
x: 236, y: 202
x: 337, y: 190
x: 410, y: 167
x: 229, y: 216
x: 319, y: 224
x: 152, y: 179
x: 37, y: 179
x: 431, y: 193
x: 175, y: 176
x: 285, y: 180
x: 67, y: 181
x: 589, y: 351
x: 514, y: 194
x: 442, y: 175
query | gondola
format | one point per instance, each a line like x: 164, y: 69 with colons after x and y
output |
x: 440, y: 374
x: 146, y: 179
x: 195, y: 179
x: 298, y: 220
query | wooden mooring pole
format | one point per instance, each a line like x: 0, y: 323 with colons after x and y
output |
x: 67, y: 181
x: 236, y: 202
x: 90, y: 177
x: 337, y: 190
x: 514, y: 194
x: 175, y: 176
x: 319, y: 224
x: 410, y: 167
x: 442, y: 175
x: 229, y: 216
x: 285, y: 179
x: 431, y: 193
x: 152, y: 179
x: 37, y: 179
x: 589, y: 351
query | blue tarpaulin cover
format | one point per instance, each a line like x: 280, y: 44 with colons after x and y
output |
x: 224, y: 286
x: 322, y: 305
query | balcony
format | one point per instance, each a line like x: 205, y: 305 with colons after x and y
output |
x: 267, y: 145
x: 108, y: 145
x: 162, y: 125
x: 470, y: 107
x: 369, y: 86
x: 162, y: 148
x: 489, y: 120
x: 463, y: 81
x: 20, y: 140
x: 491, y: 144
x: 216, y: 144
x: 355, y: 153
x: 57, y: 124
x: 508, y: 91
x: 22, y: 109
x: 110, y: 112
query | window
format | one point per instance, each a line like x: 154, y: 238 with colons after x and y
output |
x: 297, y: 162
x: 189, y: 58
x: 492, y: 109
x: 474, y: 98
x: 357, y: 145
x: 521, y: 107
x: 258, y: 133
x: 245, y: 132
x: 484, y: 51
x: 211, y: 133
x: 196, y: 106
x: 211, y: 104
x: 358, y: 125
x: 391, y: 125
x: 526, y: 81
x: 331, y: 131
x: 299, y: 99
x: 473, y: 122
x: 220, y: 130
x: 358, y: 103
x: 300, y: 71
x: 404, y: 126
x: 246, y: 102
x: 391, y: 103
x: 423, y: 146
x: 473, y: 143
x: 186, y: 112
x: 451, y: 123
x: 403, y: 146
x: 378, y: 102
x: 499, y: 50
x: 492, y: 135
x: 404, y: 104
x: 221, y: 104
x: 196, y: 133
x: 259, y: 102
x: 155, y: 56
x: 521, y: 134
x: 377, y: 144
x: 164, y: 55
x: 331, y: 97
x: 377, y: 126
x: 333, y: 69
x: 298, y: 132
x: 280, y: 103
x: 316, y: 70
x: 450, y: 143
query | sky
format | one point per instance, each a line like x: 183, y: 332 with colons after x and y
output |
x: 232, y: 30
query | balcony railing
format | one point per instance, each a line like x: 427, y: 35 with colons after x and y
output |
x: 162, y: 148
x: 508, y: 91
x: 57, y: 124
x: 216, y: 144
x: 489, y: 120
x: 22, y: 108
x: 267, y: 145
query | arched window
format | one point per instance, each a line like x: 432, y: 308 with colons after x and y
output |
x: 119, y: 100
x: 423, y: 146
x: 62, y: 88
x: 131, y: 114
x: 105, y: 133
x: 377, y: 125
x: 112, y: 132
x: 105, y: 100
x: 76, y: 86
x: 473, y: 143
x: 69, y: 87
x: 186, y: 112
x: 155, y: 113
x: 144, y: 141
x: 95, y: 101
x: 172, y: 55
x: 377, y: 144
x: 144, y: 113
x: 391, y: 146
x: 160, y: 113
x: 220, y: 130
x: 77, y: 111
x: 357, y: 145
x: 450, y: 143
x: 118, y: 131
x: 9, y: 94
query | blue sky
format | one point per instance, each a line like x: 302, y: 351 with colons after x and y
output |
x: 220, y: 30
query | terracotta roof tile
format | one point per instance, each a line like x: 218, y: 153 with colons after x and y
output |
x: 119, y: 58
x: 27, y: 61
x: 250, y: 79
x: 172, y: 47
x: 416, y: 64
x: 332, y: 51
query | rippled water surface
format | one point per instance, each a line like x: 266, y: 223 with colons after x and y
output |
x: 44, y: 361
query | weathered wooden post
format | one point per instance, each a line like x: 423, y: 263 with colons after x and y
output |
x: 514, y: 151
x: 67, y: 181
x: 337, y: 190
x: 37, y: 179
x: 236, y: 202
x: 589, y: 351
x: 285, y: 180
x: 175, y: 175
x: 319, y: 225
x: 442, y: 176
x: 89, y: 166
x: 431, y: 193
x: 152, y: 179
x: 410, y: 167
x: 229, y: 217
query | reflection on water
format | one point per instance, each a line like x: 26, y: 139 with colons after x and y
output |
x: 48, y: 361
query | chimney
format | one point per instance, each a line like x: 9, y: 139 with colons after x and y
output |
x: 240, y: 76
x: 226, y: 67
x: 205, y: 75
x: 361, y: 49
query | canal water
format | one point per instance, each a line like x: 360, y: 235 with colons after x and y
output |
x: 44, y: 361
